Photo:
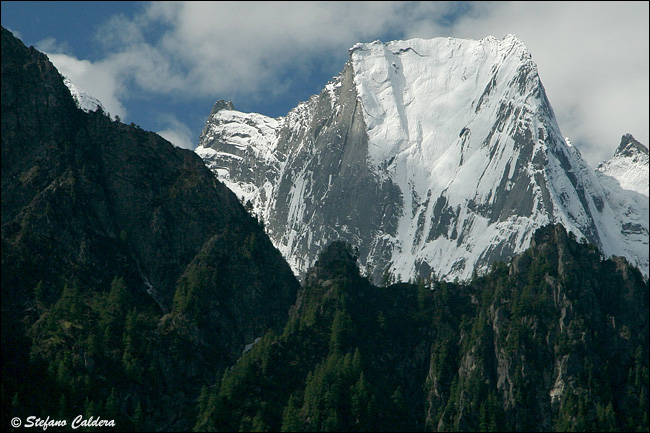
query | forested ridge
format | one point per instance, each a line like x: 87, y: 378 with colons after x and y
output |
x: 555, y: 340
x: 130, y: 275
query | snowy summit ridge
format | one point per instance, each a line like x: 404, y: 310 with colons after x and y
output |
x: 408, y: 87
x: 431, y: 155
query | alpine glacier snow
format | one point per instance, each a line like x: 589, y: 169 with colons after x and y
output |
x: 440, y: 155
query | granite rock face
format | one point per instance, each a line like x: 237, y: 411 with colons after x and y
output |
x: 311, y: 184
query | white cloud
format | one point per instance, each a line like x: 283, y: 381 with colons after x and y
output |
x: 95, y: 79
x: 16, y: 33
x: 238, y: 47
x: 176, y: 132
x: 51, y: 45
x: 243, y: 47
x: 592, y: 56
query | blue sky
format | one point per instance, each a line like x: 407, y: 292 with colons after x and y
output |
x: 162, y: 65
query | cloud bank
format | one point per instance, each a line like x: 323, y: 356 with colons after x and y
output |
x: 592, y: 56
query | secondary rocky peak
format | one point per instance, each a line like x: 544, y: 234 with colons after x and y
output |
x: 216, y: 108
x: 630, y: 146
x: 629, y: 168
x: 222, y: 105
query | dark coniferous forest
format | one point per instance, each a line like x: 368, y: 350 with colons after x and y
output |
x: 136, y: 288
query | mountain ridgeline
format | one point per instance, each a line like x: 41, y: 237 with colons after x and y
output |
x: 130, y: 275
x: 137, y: 288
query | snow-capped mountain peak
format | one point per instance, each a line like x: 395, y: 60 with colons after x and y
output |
x: 431, y: 155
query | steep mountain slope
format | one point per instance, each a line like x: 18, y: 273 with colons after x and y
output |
x: 129, y: 273
x: 431, y: 155
x: 555, y: 341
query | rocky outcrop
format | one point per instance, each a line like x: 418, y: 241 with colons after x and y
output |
x: 544, y: 339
